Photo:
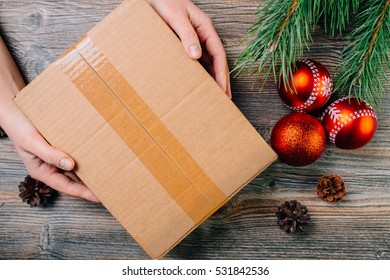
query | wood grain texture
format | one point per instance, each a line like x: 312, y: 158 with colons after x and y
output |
x: 357, y: 227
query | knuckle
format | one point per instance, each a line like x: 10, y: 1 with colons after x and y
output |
x: 222, y: 53
x: 171, y: 6
x: 207, y: 21
x: 169, y: 17
x: 192, y: 34
x: 68, y: 188
x: 221, y: 59
x: 34, y: 173
x: 172, y: 11
x: 48, y: 158
x: 51, y: 158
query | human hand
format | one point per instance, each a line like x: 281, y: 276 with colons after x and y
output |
x: 198, y: 35
x: 43, y: 162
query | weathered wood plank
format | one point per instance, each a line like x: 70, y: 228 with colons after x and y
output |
x: 357, y: 227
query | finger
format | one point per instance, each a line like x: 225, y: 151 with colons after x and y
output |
x: 207, y: 63
x: 215, y: 49
x: 229, y: 86
x: 64, y: 184
x: 51, y: 155
x: 49, y: 175
x: 213, y: 44
x: 73, y: 176
x: 187, y: 34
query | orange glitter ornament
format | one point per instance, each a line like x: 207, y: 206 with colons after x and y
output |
x: 299, y: 139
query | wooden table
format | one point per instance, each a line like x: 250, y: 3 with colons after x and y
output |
x: 357, y: 227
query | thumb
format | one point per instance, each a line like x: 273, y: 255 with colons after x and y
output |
x: 51, y: 155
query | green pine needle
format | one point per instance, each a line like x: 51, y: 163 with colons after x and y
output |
x: 337, y: 14
x: 282, y: 31
x: 280, y: 35
x: 362, y: 70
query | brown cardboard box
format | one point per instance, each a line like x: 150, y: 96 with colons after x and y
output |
x: 151, y: 132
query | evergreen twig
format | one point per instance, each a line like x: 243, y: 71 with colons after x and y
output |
x: 283, y: 29
x: 337, y: 14
x: 281, y: 33
x: 362, y: 70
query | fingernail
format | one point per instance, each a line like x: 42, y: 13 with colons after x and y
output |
x: 194, y: 51
x: 91, y: 197
x: 229, y: 93
x: 65, y: 164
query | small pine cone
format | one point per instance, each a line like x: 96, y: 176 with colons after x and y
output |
x: 331, y: 188
x: 34, y: 192
x: 2, y: 133
x: 292, y: 215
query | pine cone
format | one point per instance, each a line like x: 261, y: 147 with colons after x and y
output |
x: 2, y: 133
x: 34, y: 192
x: 331, y: 188
x: 292, y: 215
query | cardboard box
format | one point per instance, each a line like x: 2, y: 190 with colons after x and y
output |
x: 152, y: 134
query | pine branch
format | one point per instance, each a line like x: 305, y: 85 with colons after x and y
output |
x: 337, y: 14
x: 362, y: 70
x: 281, y: 33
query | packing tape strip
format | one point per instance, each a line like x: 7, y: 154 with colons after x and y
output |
x: 133, y: 134
x: 189, y: 186
x: 150, y: 121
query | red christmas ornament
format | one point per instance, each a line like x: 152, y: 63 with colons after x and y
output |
x: 349, y: 123
x: 298, y: 138
x: 313, y: 87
